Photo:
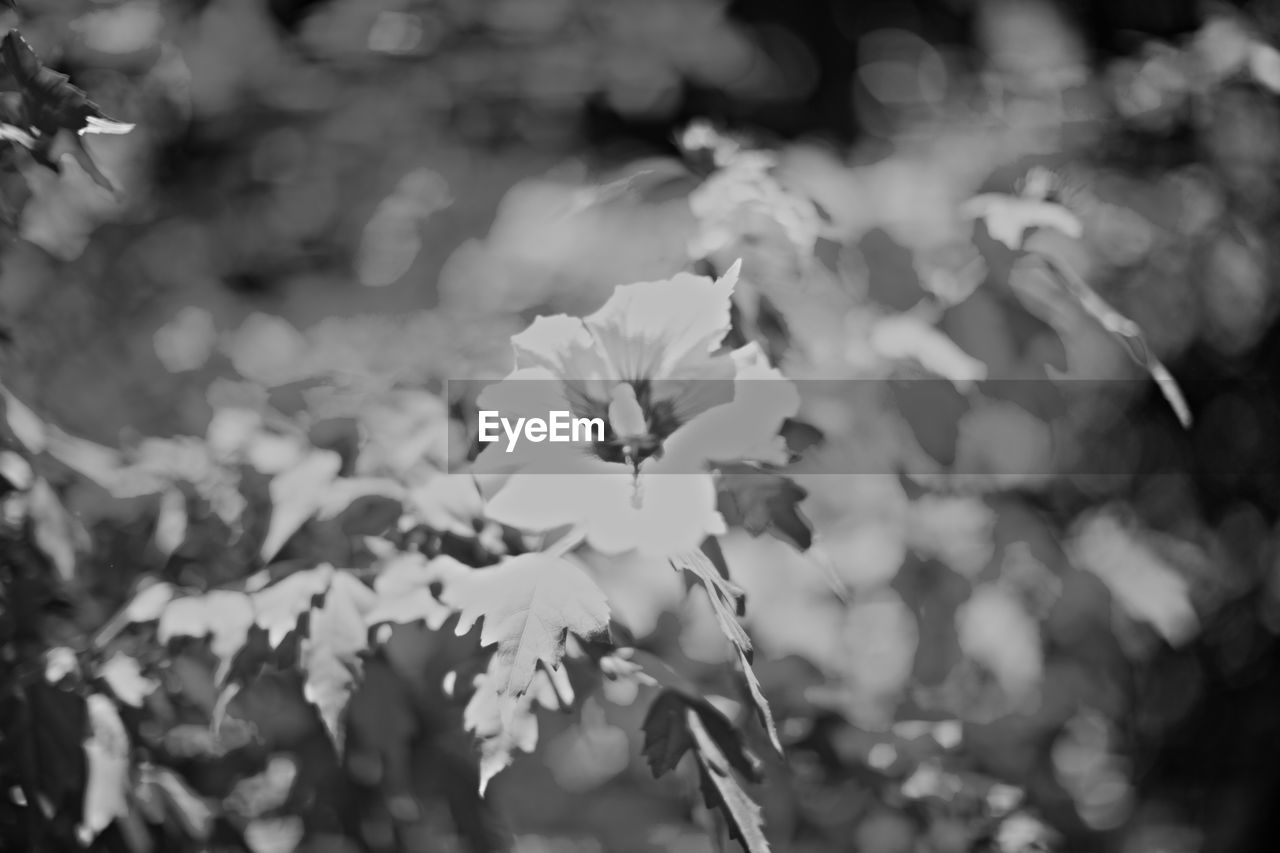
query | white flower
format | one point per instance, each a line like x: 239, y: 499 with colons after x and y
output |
x: 649, y: 363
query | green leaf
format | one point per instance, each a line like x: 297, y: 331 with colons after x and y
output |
x: 331, y: 652
x: 529, y: 605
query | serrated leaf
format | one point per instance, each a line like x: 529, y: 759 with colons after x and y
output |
x: 296, y: 495
x: 227, y: 616
x: 723, y: 792
x: 505, y: 723
x: 724, y: 596
x: 330, y: 654
x: 759, y: 500
x: 277, y: 608
x: 107, y: 760
x: 668, y: 738
x: 528, y: 605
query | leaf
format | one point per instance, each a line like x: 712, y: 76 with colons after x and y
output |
x: 171, y: 524
x: 1009, y: 218
x: 227, y: 616
x: 909, y: 337
x: 162, y: 794
x: 721, y: 790
x: 678, y: 723
x: 667, y: 737
x: 277, y: 608
x: 55, y: 531
x: 330, y: 654
x: 723, y: 596
x: 107, y: 758
x: 363, y: 506
x: 102, y: 465
x: 529, y: 605
x: 296, y: 495
x: 222, y: 615
x: 404, y: 594
x: 16, y: 472
x: 25, y: 425
x: 1144, y: 583
x: 505, y: 723
x: 448, y: 503
x: 759, y: 500
x: 994, y: 628
x: 57, y: 113
x: 50, y: 101
x: 125, y: 678
x: 148, y: 603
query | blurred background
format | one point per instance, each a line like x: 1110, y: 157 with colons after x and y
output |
x: 391, y: 188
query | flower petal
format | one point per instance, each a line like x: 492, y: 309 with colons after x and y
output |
x: 652, y: 328
x: 744, y: 429
x: 675, y: 513
x: 562, y: 345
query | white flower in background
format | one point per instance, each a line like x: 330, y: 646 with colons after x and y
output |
x: 649, y: 364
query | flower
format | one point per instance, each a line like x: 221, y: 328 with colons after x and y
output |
x: 650, y: 365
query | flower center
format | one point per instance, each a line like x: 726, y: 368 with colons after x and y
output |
x: 636, y: 424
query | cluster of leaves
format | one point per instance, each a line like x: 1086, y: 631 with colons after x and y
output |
x: 324, y: 594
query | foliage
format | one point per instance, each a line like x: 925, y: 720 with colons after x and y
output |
x: 853, y: 566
